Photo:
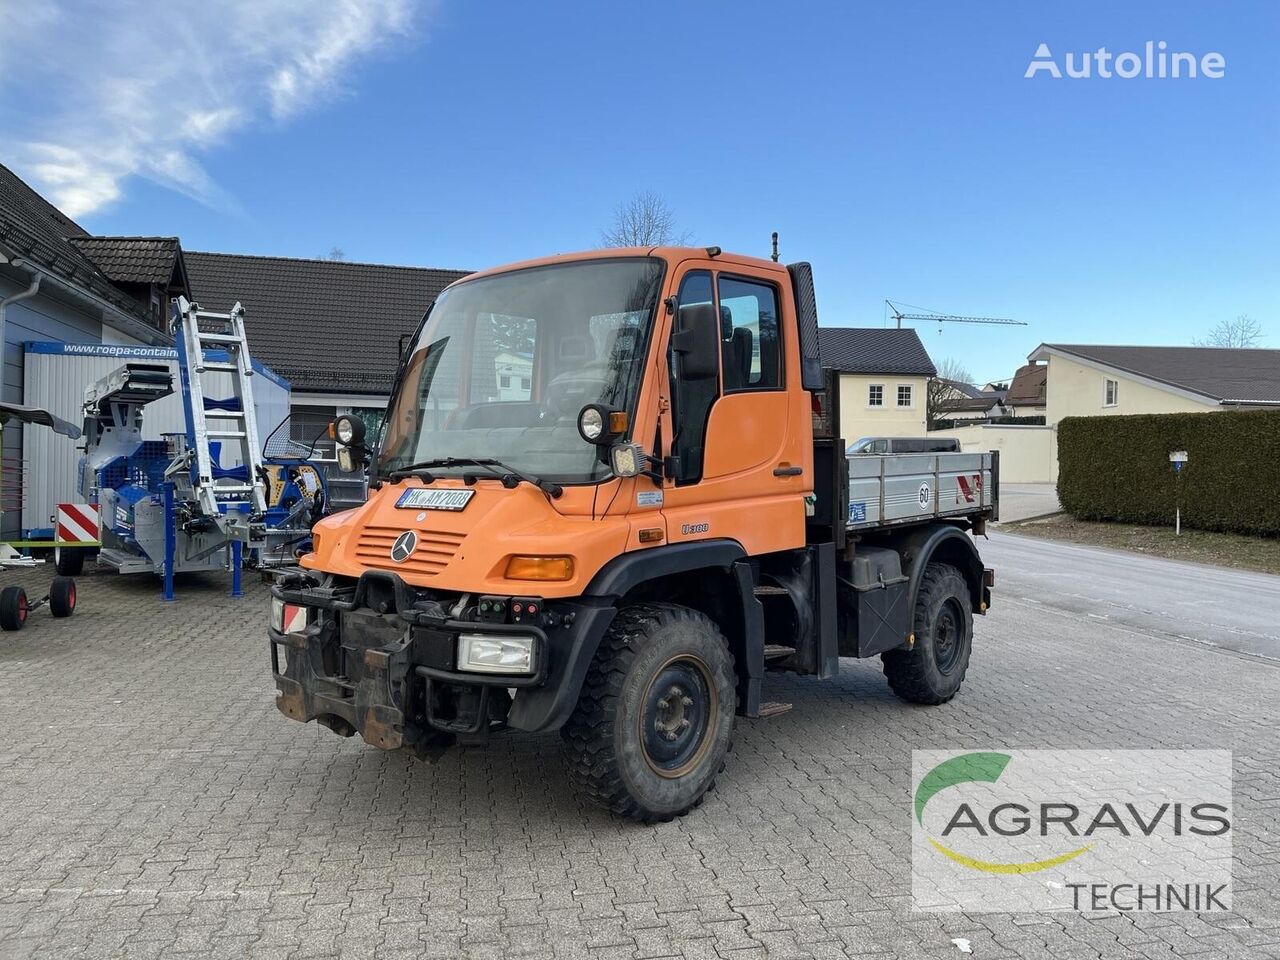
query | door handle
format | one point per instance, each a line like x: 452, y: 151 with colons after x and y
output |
x: 785, y: 469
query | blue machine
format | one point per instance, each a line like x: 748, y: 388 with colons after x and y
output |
x: 171, y: 505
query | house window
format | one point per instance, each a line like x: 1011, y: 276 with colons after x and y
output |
x: 875, y: 395
x: 904, y: 394
x: 1112, y: 391
x: 525, y: 383
x: 504, y: 381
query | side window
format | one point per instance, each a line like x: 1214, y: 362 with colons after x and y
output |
x: 749, y: 327
x: 691, y: 400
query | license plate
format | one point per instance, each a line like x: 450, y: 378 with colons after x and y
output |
x: 421, y: 498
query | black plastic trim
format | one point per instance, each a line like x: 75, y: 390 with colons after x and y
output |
x: 622, y: 574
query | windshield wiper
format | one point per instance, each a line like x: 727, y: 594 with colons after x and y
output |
x: 510, y: 479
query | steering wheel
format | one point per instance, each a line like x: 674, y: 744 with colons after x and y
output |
x: 571, y: 391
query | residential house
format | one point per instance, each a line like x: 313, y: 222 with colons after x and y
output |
x: 1089, y: 380
x: 1026, y: 396
x: 884, y: 380
x: 955, y: 400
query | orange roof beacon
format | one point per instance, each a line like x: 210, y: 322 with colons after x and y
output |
x: 610, y: 492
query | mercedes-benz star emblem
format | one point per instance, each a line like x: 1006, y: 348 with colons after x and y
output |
x: 404, y: 546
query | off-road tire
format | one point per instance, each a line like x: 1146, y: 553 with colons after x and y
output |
x: 13, y: 608
x: 68, y: 561
x: 606, y: 752
x: 62, y: 597
x: 931, y: 672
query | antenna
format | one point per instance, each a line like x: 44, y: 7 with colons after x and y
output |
x: 948, y: 317
x: 775, y: 246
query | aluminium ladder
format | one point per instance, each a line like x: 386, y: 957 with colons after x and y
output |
x: 228, y: 495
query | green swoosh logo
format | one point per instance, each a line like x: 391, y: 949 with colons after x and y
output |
x: 966, y: 768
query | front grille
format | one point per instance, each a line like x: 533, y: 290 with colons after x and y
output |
x: 434, y: 551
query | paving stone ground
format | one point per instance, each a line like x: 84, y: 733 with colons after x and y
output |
x: 153, y: 803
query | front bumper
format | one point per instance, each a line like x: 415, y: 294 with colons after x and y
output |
x: 375, y: 660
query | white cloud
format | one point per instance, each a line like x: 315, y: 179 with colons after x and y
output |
x: 144, y: 87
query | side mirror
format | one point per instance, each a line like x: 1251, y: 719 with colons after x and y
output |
x: 697, y: 342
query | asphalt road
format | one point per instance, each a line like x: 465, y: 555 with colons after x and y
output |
x: 1158, y: 599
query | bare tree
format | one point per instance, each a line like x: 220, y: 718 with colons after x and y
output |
x: 945, y: 395
x: 335, y: 253
x: 643, y: 221
x: 1243, y: 331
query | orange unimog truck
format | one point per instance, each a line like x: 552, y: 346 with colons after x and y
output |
x: 611, y: 492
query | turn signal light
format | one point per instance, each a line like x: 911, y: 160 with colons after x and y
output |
x: 618, y: 422
x: 540, y: 568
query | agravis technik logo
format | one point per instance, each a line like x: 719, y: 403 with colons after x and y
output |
x: 1023, y: 830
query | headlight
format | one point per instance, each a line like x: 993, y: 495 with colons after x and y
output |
x: 600, y: 424
x: 591, y: 424
x: 348, y: 430
x: 487, y: 653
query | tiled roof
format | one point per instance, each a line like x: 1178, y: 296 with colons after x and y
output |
x: 325, y: 325
x: 36, y: 230
x: 1028, y: 386
x: 874, y: 350
x: 132, y: 259
x: 1224, y: 374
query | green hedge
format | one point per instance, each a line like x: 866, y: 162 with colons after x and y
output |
x: 1117, y: 468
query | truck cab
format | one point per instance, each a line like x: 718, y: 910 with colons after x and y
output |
x: 609, y: 493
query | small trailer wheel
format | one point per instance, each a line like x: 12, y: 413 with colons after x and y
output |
x: 62, y: 597
x: 13, y: 608
x: 68, y: 561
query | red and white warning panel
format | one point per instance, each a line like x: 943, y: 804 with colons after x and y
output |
x: 77, y: 523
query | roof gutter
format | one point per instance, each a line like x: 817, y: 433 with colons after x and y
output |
x: 31, y: 291
x: 1250, y: 403
x: 118, y: 318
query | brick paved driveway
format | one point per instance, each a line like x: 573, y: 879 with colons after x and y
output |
x: 153, y: 803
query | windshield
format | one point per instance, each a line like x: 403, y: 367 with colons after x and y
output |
x: 505, y: 363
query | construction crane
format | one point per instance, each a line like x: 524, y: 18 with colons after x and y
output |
x: 899, y: 316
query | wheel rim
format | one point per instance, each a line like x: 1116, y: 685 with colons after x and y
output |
x: 71, y: 597
x: 22, y: 608
x: 948, y: 635
x: 678, y: 716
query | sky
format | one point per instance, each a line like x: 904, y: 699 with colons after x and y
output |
x: 898, y: 147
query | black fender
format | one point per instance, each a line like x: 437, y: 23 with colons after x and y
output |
x: 945, y: 543
x: 549, y: 706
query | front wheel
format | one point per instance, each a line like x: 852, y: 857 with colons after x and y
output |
x: 654, y: 721
x: 933, y: 669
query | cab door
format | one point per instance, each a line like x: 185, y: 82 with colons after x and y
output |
x: 737, y: 447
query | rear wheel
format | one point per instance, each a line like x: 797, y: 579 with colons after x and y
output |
x: 13, y: 608
x: 655, y: 717
x: 68, y: 561
x: 62, y: 597
x: 933, y: 669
